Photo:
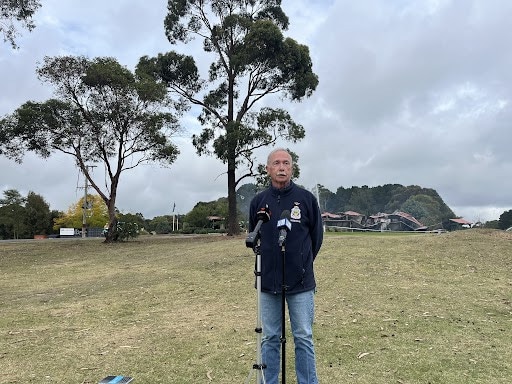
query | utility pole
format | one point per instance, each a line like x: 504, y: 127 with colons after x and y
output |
x: 84, y: 210
x: 174, y: 217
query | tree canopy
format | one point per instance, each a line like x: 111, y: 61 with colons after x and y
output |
x: 198, y: 216
x: 16, y: 13
x: 22, y: 217
x: 103, y: 114
x: 95, y: 210
x: 252, y: 60
x: 505, y: 220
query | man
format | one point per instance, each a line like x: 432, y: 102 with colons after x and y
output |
x: 302, y: 245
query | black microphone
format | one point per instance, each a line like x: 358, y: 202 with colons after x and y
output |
x: 262, y: 216
x: 284, y: 225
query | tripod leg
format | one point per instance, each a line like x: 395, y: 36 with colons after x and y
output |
x: 259, y: 366
x: 248, y: 380
x: 283, y: 320
x: 260, y: 376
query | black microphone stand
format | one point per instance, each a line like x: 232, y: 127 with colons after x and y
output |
x: 283, y: 312
x: 253, y: 239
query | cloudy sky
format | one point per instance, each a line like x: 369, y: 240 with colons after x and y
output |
x: 412, y: 92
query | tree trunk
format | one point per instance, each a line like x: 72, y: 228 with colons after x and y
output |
x: 233, y: 225
x: 112, y: 219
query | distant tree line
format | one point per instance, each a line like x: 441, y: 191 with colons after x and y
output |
x: 424, y: 204
x: 22, y: 217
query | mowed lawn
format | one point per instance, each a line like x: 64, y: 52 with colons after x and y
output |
x: 390, y: 308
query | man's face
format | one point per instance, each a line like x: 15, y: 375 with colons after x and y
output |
x: 279, y: 168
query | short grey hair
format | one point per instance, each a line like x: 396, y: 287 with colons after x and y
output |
x: 280, y: 149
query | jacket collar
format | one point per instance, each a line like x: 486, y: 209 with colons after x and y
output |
x: 282, y: 191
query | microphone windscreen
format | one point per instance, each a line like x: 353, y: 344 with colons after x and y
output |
x: 263, y: 214
x: 284, y: 221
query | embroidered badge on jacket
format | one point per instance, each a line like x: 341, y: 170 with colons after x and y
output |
x: 295, y: 213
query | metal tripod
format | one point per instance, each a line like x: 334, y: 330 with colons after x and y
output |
x: 283, y: 314
x: 258, y: 367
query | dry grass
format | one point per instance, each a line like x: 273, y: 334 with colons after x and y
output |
x: 390, y: 309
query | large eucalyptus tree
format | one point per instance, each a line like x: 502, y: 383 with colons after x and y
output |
x: 102, y: 114
x: 252, y: 59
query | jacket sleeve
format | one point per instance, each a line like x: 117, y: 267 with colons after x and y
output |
x: 252, y: 214
x: 316, y: 229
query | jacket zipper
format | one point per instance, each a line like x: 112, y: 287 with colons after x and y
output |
x: 276, y: 265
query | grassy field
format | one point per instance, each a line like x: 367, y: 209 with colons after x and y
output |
x: 419, y: 308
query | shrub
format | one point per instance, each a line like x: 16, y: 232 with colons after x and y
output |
x: 125, y: 231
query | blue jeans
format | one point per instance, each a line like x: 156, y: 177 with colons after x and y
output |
x: 301, y: 308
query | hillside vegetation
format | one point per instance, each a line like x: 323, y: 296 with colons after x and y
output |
x: 424, y: 204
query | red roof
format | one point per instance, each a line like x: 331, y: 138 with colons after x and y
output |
x: 461, y: 221
x: 408, y: 217
x: 330, y: 215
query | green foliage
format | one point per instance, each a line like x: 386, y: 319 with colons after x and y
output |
x: 103, y: 114
x: 361, y: 200
x: 12, y: 197
x: 161, y: 224
x: 424, y: 208
x: 422, y: 203
x: 23, y: 217
x: 326, y: 198
x: 198, y: 216
x: 136, y: 218
x: 251, y: 59
x: 14, y: 13
x: 493, y: 224
x: 126, y: 231
x: 96, y: 214
x: 11, y: 218
x: 415, y: 208
x: 505, y: 220
x: 37, y: 215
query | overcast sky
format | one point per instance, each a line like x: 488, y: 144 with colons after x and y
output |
x: 411, y: 92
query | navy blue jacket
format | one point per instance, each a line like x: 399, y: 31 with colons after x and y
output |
x: 302, y: 243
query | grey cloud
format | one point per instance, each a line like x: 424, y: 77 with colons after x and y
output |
x: 410, y: 92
